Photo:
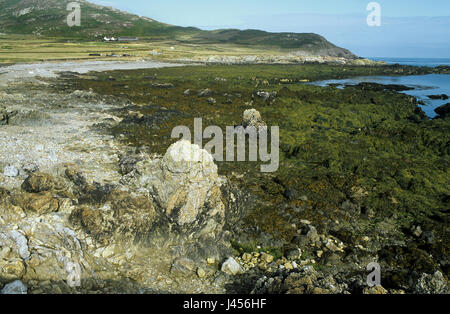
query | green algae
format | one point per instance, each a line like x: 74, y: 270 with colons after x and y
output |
x: 356, y: 162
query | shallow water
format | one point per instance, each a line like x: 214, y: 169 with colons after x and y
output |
x: 424, y: 85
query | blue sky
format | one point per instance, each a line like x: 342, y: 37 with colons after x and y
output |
x: 409, y: 28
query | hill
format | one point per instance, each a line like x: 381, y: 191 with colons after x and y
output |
x: 47, y: 18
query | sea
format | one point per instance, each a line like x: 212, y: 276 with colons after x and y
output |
x: 424, y: 85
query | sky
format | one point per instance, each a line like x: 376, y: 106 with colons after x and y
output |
x: 409, y: 28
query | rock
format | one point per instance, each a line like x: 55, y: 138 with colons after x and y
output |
x: 231, y: 267
x: 15, y: 287
x: 128, y: 163
x: 205, y: 93
x: 187, y: 92
x: 134, y: 214
x: 41, y: 203
x: 4, y: 116
x: 252, y: 117
x: 417, y: 231
x: 375, y: 290
x: 201, y: 273
x: 266, y: 95
x: 246, y: 257
x: 267, y: 258
x: 294, y: 254
x: 38, y: 182
x: 30, y: 168
x: 288, y: 266
x: 186, y: 186
x: 183, y: 267
x: 11, y: 171
x: 443, y: 111
x: 211, y: 101
x: 308, y: 235
x: 441, y: 97
x: 162, y: 85
x: 432, y: 284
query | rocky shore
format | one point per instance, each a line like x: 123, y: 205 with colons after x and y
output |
x: 92, y: 187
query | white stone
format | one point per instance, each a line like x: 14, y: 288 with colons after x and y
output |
x: 11, y: 171
x: 230, y: 266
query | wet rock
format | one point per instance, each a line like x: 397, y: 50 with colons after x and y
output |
x: 231, y: 267
x: 441, y: 97
x: 38, y: 182
x: 443, y: 111
x: 15, y: 287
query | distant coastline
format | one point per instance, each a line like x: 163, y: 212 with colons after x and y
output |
x: 429, y: 62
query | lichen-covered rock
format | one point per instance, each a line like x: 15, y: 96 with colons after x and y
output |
x: 40, y: 203
x: 432, y: 284
x: 186, y: 186
x: 252, y: 117
x: 38, y: 182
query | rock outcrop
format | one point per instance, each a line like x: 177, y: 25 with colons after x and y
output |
x: 186, y: 187
x: 253, y: 118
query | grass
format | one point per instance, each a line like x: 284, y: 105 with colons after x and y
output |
x: 26, y: 48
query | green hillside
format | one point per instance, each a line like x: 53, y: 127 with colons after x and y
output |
x: 47, y: 18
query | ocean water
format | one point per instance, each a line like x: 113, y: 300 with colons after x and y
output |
x: 428, y: 62
x: 424, y: 85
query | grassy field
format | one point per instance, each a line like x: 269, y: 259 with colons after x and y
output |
x: 24, y: 48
